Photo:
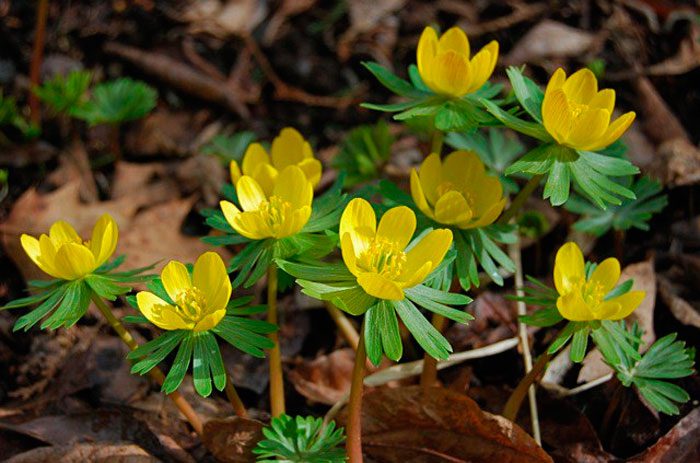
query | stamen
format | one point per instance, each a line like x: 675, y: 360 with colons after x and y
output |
x: 383, y: 257
x: 191, y: 304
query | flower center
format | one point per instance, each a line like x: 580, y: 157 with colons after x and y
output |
x: 276, y: 212
x: 577, y: 108
x: 593, y: 293
x: 191, y: 304
x: 445, y: 187
x: 383, y: 257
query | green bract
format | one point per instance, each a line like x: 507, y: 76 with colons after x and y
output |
x: 201, y: 348
x: 450, y: 114
x: 561, y: 165
x: 117, y: 101
x: 65, y: 94
x: 300, y: 440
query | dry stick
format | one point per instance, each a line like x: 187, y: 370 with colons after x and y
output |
x: 37, y: 58
x: 511, y: 408
x: 353, y: 444
x: 234, y: 398
x: 516, y: 257
x: 155, y: 373
x: 275, y: 356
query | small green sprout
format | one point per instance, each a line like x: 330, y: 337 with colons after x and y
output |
x: 364, y: 152
x: 300, y: 440
x: 65, y: 94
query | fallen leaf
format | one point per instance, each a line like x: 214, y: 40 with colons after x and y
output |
x: 86, y: 453
x: 411, y: 424
x: 165, y: 132
x: 224, y: 19
x: 494, y: 321
x: 679, y: 307
x: 686, y: 59
x: 680, y: 444
x: 677, y: 162
x: 326, y: 379
x: 550, y: 39
x: 231, y: 440
x: 658, y: 120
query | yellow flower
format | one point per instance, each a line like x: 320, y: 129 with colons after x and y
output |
x: 63, y: 254
x: 457, y: 191
x: 200, y: 300
x: 577, y: 115
x: 281, y: 212
x: 377, y: 256
x: 288, y: 149
x: 444, y: 64
x: 584, y: 300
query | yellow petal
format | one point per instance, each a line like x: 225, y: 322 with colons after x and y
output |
x: 431, y: 248
x: 488, y: 217
x: 605, y: 310
x: 74, y: 261
x: 572, y: 307
x: 452, y: 74
x: 348, y: 252
x: 33, y: 249
x: 427, y: 49
x: 252, y: 225
x: 235, y: 172
x: 254, y: 156
x: 104, y: 238
x: 266, y: 176
x: 380, y: 287
x: 360, y: 222
x: 210, y: 321
x: 452, y: 208
x: 62, y: 232
x: 293, y: 187
x: 430, y: 175
x: 250, y: 194
x: 48, y: 254
x: 486, y: 191
x: 568, y: 268
x: 604, y: 99
x: 606, y: 274
x: 588, y: 128
x: 581, y: 86
x: 556, y: 81
x: 556, y: 115
x: 615, y: 131
x: 289, y: 148
x: 482, y: 66
x: 418, y: 195
x: 175, y: 278
x: 397, y: 226
x: 417, y: 277
x: 299, y: 218
x: 159, y: 312
x: 628, y: 302
x: 461, y: 168
x: 313, y: 169
x: 230, y: 211
x: 210, y: 276
x: 454, y: 40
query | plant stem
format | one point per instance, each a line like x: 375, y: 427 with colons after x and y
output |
x: 37, y: 58
x: 275, y: 356
x: 436, y: 142
x: 155, y: 373
x: 353, y: 444
x: 344, y: 325
x: 520, y: 199
x: 428, y: 376
x: 512, y: 407
x: 234, y: 398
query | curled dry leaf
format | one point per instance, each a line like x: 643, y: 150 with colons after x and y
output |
x: 680, y: 308
x: 494, y: 321
x: 681, y: 443
x: 678, y: 162
x: 440, y: 425
x: 550, y: 39
x: 232, y: 440
x: 226, y: 18
x: 86, y: 453
x: 325, y: 379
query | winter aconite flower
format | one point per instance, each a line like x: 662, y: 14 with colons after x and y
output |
x: 579, y: 116
x: 457, y: 191
x: 278, y: 210
x: 64, y: 255
x: 445, y: 66
x: 377, y: 255
x: 288, y: 149
x: 198, y: 301
x: 584, y: 299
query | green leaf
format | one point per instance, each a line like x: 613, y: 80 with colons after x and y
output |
x: 528, y: 93
x: 28, y: 300
x: 117, y: 101
x: 543, y: 318
x: 64, y: 93
x: 531, y: 129
x: 200, y: 364
x: 320, y: 272
x: 180, y: 365
x: 427, y: 336
x: 373, y: 336
x: 155, y: 351
x: 72, y: 307
x: 392, y: 82
x: 563, y: 337
x: 229, y: 147
x: 388, y: 327
x: 364, y: 152
x: 421, y: 298
x: 579, y: 345
x: 32, y: 318
x: 105, y: 288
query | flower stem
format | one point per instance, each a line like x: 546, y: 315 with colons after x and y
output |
x: 234, y: 398
x: 275, y: 356
x: 510, y: 411
x: 428, y: 376
x: 520, y: 199
x: 155, y: 373
x: 353, y: 444
x: 436, y: 142
x: 344, y: 325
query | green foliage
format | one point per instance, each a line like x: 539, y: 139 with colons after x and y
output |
x: 465, y: 114
x: 300, y: 440
x: 117, y: 101
x: 631, y: 213
x: 10, y: 115
x: 364, y: 152
x: 229, y: 147
x: 65, y: 94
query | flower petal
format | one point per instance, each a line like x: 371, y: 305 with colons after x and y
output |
x: 266, y: 176
x: 628, y: 302
x: 452, y: 208
x: 417, y: 277
x: 252, y: 225
x: 159, y: 312
x: 33, y: 249
x: 454, y: 40
x: 568, y: 268
x: 425, y: 53
x: 581, y: 86
x: 235, y: 172
x: 452, y: 74
x: 488, y: 217
x: 431, y: 248
x: 74, y: 261
x: 572, y: 307
x: 606, y: 274
x: 604, y: 99
x: 62, y: 232
x: 482, y: 66
x: 615, y: 131
x: 556, y: 81
x: 293, y: 186
x: 588, y: 128
x: 313, y: 169
x: 486, y: 191
x: 175, y: 278
x: 229, y: 210
x: 348, y: 251
x: 556, y: 115
x: 104, y: 238
x: 397, y: 226
x: 380, y: 287
x: 210, y: 321
x: 461, y: 168
x: 289, y: 148
x: 254, y: 156
x: 210, y: 276
x: 418, y: 195
x: 430, y: 175
x: 360, y: 222
x: 250, y: 194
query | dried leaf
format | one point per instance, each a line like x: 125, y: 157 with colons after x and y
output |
x: 550, y: 39
x: 224, y: 19
x: 325, y: 379
x: 86, y: 453
x: 681, y: 443
x: 232, y: 440
x: 680, y: 308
